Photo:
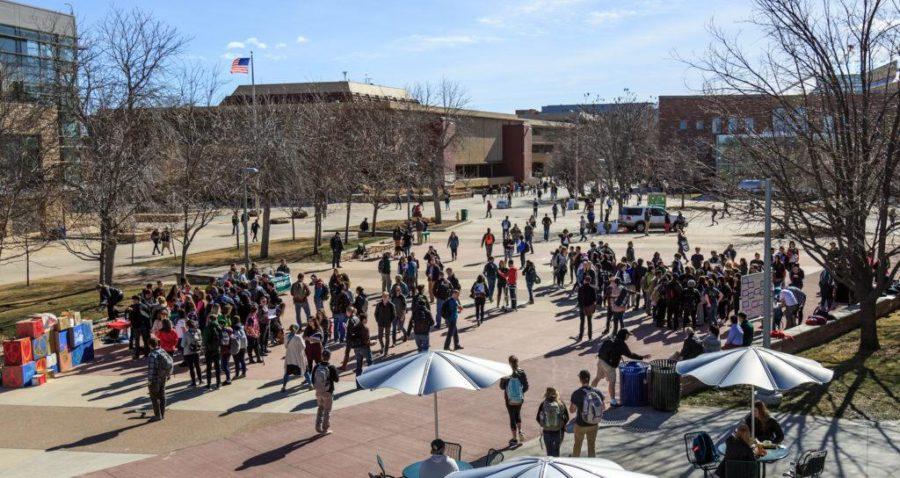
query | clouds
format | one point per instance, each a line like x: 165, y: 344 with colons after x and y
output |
x: 606, y: 16
x: 240, y: 48
x: 302, y: 39
x: 432, y: 42
x: 254, y: 42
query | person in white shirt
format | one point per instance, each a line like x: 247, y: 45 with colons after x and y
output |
x: 437, y: 465
x: 789, y: 303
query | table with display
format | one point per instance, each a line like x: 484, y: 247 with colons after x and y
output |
x: 412, y: 471
x: 772, y: 455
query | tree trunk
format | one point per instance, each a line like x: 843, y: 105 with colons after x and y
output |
x: 108, y: 261
x: 266, y: 226
x: 317, y: 218
x: 868, y: 327
x: 374, y: 218
x: 437, y: 203
x: 293, y: 228
x: 347, y: 222
x: 682, y: 199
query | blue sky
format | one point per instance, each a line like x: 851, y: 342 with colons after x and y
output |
x: 507, y: 54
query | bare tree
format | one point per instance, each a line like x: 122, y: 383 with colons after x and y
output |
x: 200, y: 168
x: 831, y: 148
x: 117, y: 79
x: 446, y: 101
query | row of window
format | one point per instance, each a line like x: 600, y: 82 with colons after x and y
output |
x: 733, y: 125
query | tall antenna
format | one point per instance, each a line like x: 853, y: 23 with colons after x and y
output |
x: 345, y: 75
x: 367, y: 80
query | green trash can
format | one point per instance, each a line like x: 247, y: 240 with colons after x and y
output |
x: 463, y: 214
x: 665, y: 386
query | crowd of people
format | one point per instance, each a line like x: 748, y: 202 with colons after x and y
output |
x: 234, y: 320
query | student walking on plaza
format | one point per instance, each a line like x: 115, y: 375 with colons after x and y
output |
x: 385, y: 314
x: 608, y: 358
x: 478, y: 293
x: 422, y: 320
x: 159, y: 369
x: 487, y: 242
x: 587, y: 304
x: 511, y: 277
x: 453, y: 244
x: 514, y: 388
x: 552, y: 416
x: 450, y: 310
x: 587, y: 405
x: 324, y: 378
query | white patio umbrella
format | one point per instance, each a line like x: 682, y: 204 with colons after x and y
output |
x: 427, y: 373
x: 755, y: 366
x: 549, y: 467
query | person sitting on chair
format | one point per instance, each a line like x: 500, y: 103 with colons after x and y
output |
x: 766, y: 428
x: 361, y: 251
x: 738, y: 448
x: 437, y: 465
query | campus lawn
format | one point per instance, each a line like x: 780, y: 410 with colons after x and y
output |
x: 864, y: 386
x: 300, y: 250
x: 52, y: 295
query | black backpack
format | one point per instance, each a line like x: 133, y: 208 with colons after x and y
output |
x: 703, y: 448
x: 446, y: 310
x: 605, y: 352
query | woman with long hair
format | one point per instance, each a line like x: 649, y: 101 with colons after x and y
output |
x: 766, y: 428
x: 514, y: 387
x: 552, y: 416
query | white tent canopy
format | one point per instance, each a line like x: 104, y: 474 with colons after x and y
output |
x: 549, y: 467
x: 429, y: 372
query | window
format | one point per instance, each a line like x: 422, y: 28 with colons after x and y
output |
x: 7, y: 45
x: 749, y: 125
x: 632, y: 211
x: 655, y: 211
x: 717, y: 125
x: 732, y: 125
x: 542, y: 148
x: 682, y: 125
x: 698, y: 125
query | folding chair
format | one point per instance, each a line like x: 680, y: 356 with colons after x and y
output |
x: 811, y: 463
x: 453, y: 450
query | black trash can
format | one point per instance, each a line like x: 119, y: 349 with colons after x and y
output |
x: 665, y: 386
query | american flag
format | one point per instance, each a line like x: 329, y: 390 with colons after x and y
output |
x: 240, y: 65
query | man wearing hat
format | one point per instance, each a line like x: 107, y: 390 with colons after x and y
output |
x: 437, y: 465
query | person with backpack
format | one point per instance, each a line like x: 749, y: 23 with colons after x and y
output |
x: 478, y: 293
x: 159, y: 369
x: 294, y: 356
x: 225, y: 352
x: 608, y: 358
x: 587, y: 404
x: 450, y: 310
x: 618, y: 303
x: 325, y: 376
x: 514, y: 388
x: 552, y: 416
x: 239, y: 349
x: 490, y: 272
x: 442, y: 292
x: 422, y: 320
x: 212, y: 336
x: 191, y: 343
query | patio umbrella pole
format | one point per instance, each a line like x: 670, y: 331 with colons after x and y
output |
x: 752, y: 406
x: 435, y: 417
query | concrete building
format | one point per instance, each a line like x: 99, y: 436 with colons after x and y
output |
x: 494, y: 148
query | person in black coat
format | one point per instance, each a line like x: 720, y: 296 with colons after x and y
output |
x: 766, y: 427
x: 587, y: 304
x: 385, y: 313
x: 739, y: 455
x: 337, y: 246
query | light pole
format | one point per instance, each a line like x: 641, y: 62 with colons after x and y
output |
x: 246, y: 218
x: 767, y: 269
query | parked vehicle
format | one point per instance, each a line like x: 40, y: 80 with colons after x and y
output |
x: 632, y: 217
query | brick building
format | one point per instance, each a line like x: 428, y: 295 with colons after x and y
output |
x: 494, y: 148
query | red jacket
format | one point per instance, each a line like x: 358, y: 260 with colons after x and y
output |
x: 510, y: 276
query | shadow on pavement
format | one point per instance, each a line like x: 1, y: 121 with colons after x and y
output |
x: 279, y: 453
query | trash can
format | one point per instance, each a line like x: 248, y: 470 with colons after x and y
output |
x: 633, y: 388
x: 665, y: 386
x: 463, y: 214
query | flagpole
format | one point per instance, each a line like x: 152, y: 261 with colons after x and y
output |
x: 253, y: 88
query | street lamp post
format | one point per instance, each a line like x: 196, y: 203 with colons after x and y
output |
x: 246, y: 218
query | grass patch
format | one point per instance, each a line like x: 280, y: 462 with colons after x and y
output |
x: 300, y: 250
x: 863, y: 387
x: 18, y: 301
